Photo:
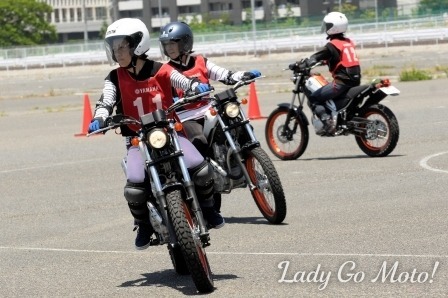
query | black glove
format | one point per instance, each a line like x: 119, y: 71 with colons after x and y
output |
x: 305, y: 63
x: 300, y: 65
x: 294, y: 66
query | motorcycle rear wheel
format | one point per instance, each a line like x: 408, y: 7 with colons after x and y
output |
x: 375, y: 146
x: 283, y: 142
x: 187, y: 234
x: 268, y: 194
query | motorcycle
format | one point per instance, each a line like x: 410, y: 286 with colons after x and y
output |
x: 358, y: 112
x: 174, y: 209
x: 236, y: 156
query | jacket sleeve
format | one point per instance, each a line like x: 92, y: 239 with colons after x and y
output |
x: 105, y: 105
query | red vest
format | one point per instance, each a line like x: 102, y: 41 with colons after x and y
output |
x: 199, y: 71
x: 142, y: 97
x: 347, y: 52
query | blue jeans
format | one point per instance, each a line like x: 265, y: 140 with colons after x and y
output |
x: 327, y: 92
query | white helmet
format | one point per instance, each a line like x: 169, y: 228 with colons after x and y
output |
x: 334, y: 23
x: 133, y: 31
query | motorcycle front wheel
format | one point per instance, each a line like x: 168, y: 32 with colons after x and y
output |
x: 382, y: 133
x: 286, y: 138
x: 177, y: 259
x: 187, y: 234
x: 268, y: 194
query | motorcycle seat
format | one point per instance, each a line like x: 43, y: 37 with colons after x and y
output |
x: 345, y: 99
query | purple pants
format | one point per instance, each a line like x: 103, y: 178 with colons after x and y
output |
x: 135, y: 170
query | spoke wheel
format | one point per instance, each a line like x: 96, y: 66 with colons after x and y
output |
x: 286, y: 141
x: 382, y: 132
x: 268, y: 194
x: 187, y: 234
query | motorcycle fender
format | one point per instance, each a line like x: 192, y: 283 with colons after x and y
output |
x: 373, y: 99
x: 209, y: 123
x: 173, y: 185
x: 298, y: 113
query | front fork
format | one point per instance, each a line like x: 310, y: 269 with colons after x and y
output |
x: 235, y: 152
x: 189, y: 186
x: 292, y: 114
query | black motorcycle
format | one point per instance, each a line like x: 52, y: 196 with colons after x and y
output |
x: 357, y: 112
x: 175, y: 213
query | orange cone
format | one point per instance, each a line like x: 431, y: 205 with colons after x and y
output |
x: 87, y: 117
x: 253, y: 109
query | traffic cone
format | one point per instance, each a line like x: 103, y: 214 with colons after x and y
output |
x: 87, y: 117
x: 253, y: 109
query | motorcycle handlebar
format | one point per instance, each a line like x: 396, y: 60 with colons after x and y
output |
x: 113, y: 122
x: 187, y: 99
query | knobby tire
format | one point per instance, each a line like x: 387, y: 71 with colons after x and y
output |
x: 270, y: 198
x: 286, y: 147
x: 191, y: 246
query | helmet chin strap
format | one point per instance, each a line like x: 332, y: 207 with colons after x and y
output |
x: 133, y: 63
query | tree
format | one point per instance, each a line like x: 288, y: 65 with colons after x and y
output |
x: 103, y: 30
x: 432, y: 6
x: 24, y: 22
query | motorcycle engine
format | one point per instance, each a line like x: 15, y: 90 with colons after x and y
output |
x: 219, y: 153
x: 318, y: 125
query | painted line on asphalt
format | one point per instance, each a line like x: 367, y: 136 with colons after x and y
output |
x: 229, y: 253
x: 424, y: 163
x: 56, y: 165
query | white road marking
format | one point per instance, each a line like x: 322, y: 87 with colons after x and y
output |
x: 55, y: 165
x: 424, y: 163
x: 303, y: 254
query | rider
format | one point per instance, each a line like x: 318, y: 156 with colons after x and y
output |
x: 339, y: 53
x: 142, y: 85
x: 176, y: 42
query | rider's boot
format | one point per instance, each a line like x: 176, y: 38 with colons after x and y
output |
x: 202, y: 176
x: 328, y: 122
x: 144, y: 232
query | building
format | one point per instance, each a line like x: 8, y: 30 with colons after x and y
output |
x: 78, y: 19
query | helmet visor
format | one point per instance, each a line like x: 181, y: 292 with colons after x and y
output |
x: 325, y: 27
x: 114, y: 45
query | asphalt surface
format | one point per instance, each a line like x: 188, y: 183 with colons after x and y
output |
x: 356, y: 226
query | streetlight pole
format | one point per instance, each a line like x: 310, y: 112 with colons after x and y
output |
x: 254, y: 30
x: 86, y: 35
x: 376, y: 13
x: 160, y: 13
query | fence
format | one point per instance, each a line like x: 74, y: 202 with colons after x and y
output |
x: 409, y: 32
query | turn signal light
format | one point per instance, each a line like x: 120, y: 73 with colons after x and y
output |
x: 134, y: 141
x: 244, y: 101
x: 385, y: 82
x: 178, y: 126
x: 213, y: 112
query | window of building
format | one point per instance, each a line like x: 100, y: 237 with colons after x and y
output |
x: 246, y: 4
x: 57, y: 19
x: 72, y: 14
x: 100, y: 13
x: 64, y: 15
x: 189, y: 9
x: 155, y: 11
x: 220, y: 6
x: 78, y: 14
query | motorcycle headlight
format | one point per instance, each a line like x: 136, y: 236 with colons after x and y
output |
x: 157, y: 138
x: 232, y: 110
